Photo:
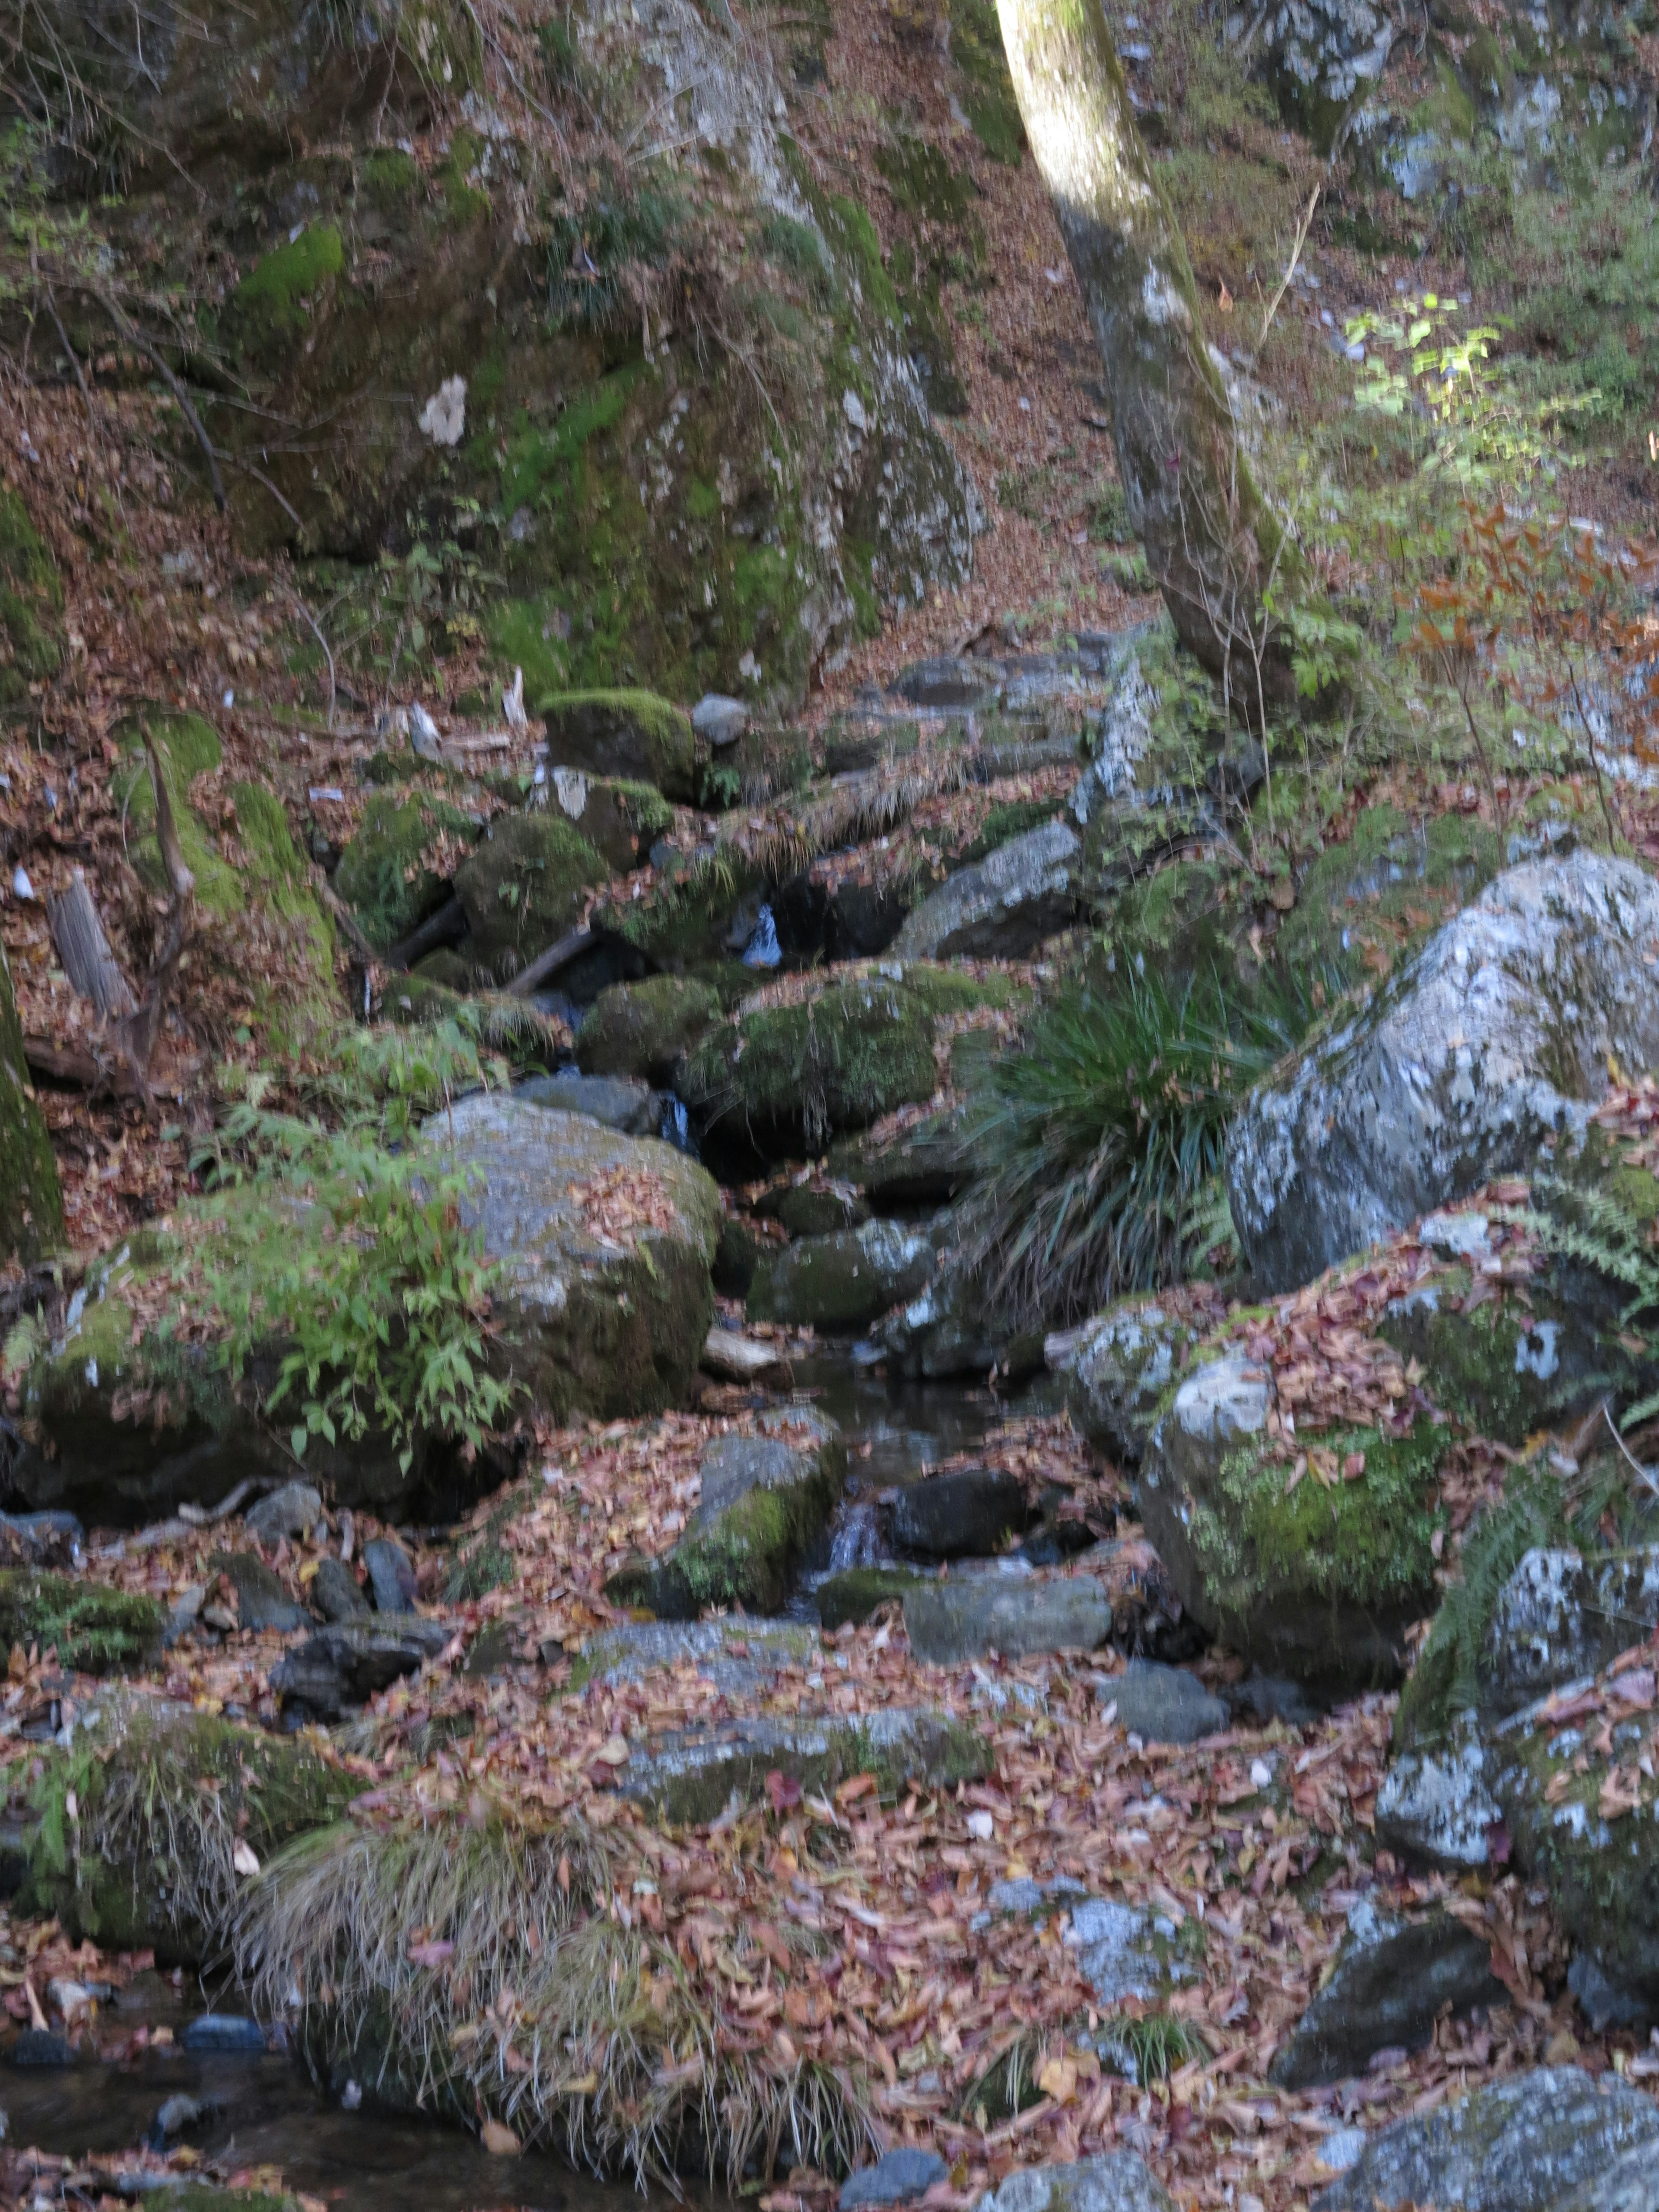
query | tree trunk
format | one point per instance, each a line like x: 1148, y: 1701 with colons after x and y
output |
x: 1210, y: 540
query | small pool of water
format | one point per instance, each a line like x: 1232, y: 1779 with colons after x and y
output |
x: 896, y: 1433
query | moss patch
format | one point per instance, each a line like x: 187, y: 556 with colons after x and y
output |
x: 31, y: 605
x: 383, y: 876
x: 855, y: 1595
x: 31, y: 1199
x: 642, y: 1029
x: 93, y: 1631
x: 522, y: 888
x: 631, y: 734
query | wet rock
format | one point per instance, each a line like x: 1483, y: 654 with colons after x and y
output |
x: 1496, y: 1038
x: 1118, y: 2181
x: 643, y: 1030
x: 1386, y: 1988
x: 293, y: 1510
x: 971, y: 1512
x: 391, y: 1574
x: 339, y: 1669
x: 613, y: 1326
x: 225, y: 2033
x: 948, y: 1622
x: 843, y: 1283
x: 691, y: 1775
x: 765, y: 1498
x: 1115, y: 1369
x: 261, y: 1600
x: 898, y: 2178
x: 40, y: 1540
x: 632, y: 1108
x: 855, y: 1594
x: 1435, y: 1808
x: 1164, y: 1705
x: 815, y: 1209
x: 1005, y: 906
x: 336, y: 1594
x: 1317, y: 1583
x: 1521, y: 2145
x: 1559, y: 1616
x: 41, y: 2046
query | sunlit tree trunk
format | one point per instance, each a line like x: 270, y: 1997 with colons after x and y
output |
x: 1210, y: 540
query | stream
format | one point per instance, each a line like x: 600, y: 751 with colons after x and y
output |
x: 265, y: 2109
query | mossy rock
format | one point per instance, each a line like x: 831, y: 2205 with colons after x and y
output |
x: 765, y: 1502
x: 621, y: 820
x: 643, y: 1030
x: 161, y: 1796
x: 382, y: 875
x: 634, y: 735
x: 1318, y: 1583
x: 449, y: 970
x: 690, y: 1780
x: 855, y: 1595
x: 1387, y: 883
x: 523, y: 888
x: 844, y: 1282
x: 31, y: 1199
x: 779, y: 1082
x: 1188, y: 923
x: 94, y: 1630
x: 946, y: 991
x: 31, y: 605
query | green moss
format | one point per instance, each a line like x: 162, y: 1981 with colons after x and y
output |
x: 945, y: 991
x: 522, y: 888
x: 977, y: 49
x: 94, y: 1630
x: 270, y: 303
x: 31, y: 1201
x: 855, y: 1595
x: 632, y: 734
x: 922, y: 181
x: 1387, y: 883
x: 642, y: 1029
x: 31, y: 603
x: 746, y: 1557
x: 381, y: 875
x: 849, y: 228
x: 1006, y: 822
x: 387, y: 178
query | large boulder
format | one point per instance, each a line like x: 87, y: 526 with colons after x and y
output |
x: 1005, y: 906
x: 606, y: 1242
x: 1560, y: 1616
x: 1384, y: 1990
x: 1318, y: 1583
x: 1116, y: 1370
x: 1521, y: 2145
x: 1493, y: 1043
x: 643, y: 1030
x: 524, y: 887
x: 633, y: 735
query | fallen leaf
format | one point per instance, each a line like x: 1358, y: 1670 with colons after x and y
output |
x: 500, y: 2142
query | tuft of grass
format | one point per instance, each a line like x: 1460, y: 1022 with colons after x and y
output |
x: 1150, y: 2048
x: 492, y: 1971
x: 1104, y: 1138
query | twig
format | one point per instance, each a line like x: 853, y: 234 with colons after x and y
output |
x: 137, y: 1034
x: 517, y: 82
x: 1290, y: 271
x: 135, y: 337
x: 557, y: 956
x: 316, y: 631
x: 260, y: 477
x: 1645, y: 1475
x: 74, y: 357
x: 347, y: 921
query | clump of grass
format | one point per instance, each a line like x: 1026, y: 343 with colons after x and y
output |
x: 1104, y: 1138
x: 1150, y: 2048
x: 492, y: 1970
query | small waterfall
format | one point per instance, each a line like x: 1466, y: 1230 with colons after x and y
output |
x: 856, y: 1538
x: 675, y: 1128
x: 762, y: 950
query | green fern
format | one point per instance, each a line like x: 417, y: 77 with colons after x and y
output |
x: 1593, y: 1225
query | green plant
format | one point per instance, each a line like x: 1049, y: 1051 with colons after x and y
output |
x: 1150, y: 2048
x: 597, y: 255
x: 338, y: 1242
x: 1594, y: 1225
x: 1103, y: 1136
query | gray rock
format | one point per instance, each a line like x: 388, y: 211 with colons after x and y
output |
x: 739, y: 1657
x: 1119, y: 2182
x: 1269, y: 1697
x: 633, y: 1109
x: 342, y: 1667
x: 40, y: 1540
x: 1124, y: 737
x: 1115, y: 1369
x: 1496, y: 1037
x: 765, y: 1499
x: 971, y: 1510
x: 815, y: 1209
x: 902, y: 2175
x: 1386, y: 1985
x: 1604, y: 2003
x: 1435, y: 1807
x: 1521, y: 2145
x: 1164, y: 1705
x: 924, y: 1164
x: 293, y: 1510
x: 964, y: 1618
x: 947, y: 680
x: 225, y: 2032
x: 1559, y: 1616
x: 261, y: 1600
x: 614, y: 1328
x: 1004, y: 907
x: 335, y: 1592
x: 391, y: 1574
x: 1327, y: 49
x: 1631, y: 2184
x: 843, y: 1282
x: 1120, y: 1952
x: 722, y: 720
x: 690, y: 1775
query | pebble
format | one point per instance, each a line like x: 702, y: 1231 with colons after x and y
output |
x: 902, y: 2174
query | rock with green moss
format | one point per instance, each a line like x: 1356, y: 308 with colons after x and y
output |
x: 139, y: 1816
x: 815, y: 1207
x: 591, y: 1319
x: 523, y: 888
x: 1389, y: 875
x: 385, y: 873
x: 633, y: 735
x: 621, y: 819
x: 782, y: 1079
x: 643, y: 1030
x: 765, y: 1498
x: 844, y: 1282
x: 1320, y: 1583
x: 690, y: 1776
x: 448, y: 968
x: 31, y: 1199
x: 855, y: 1594
x: 93, y: 1631
x: 1117, y: 1368
x: 31, y: 605
x: 924, y: 1163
